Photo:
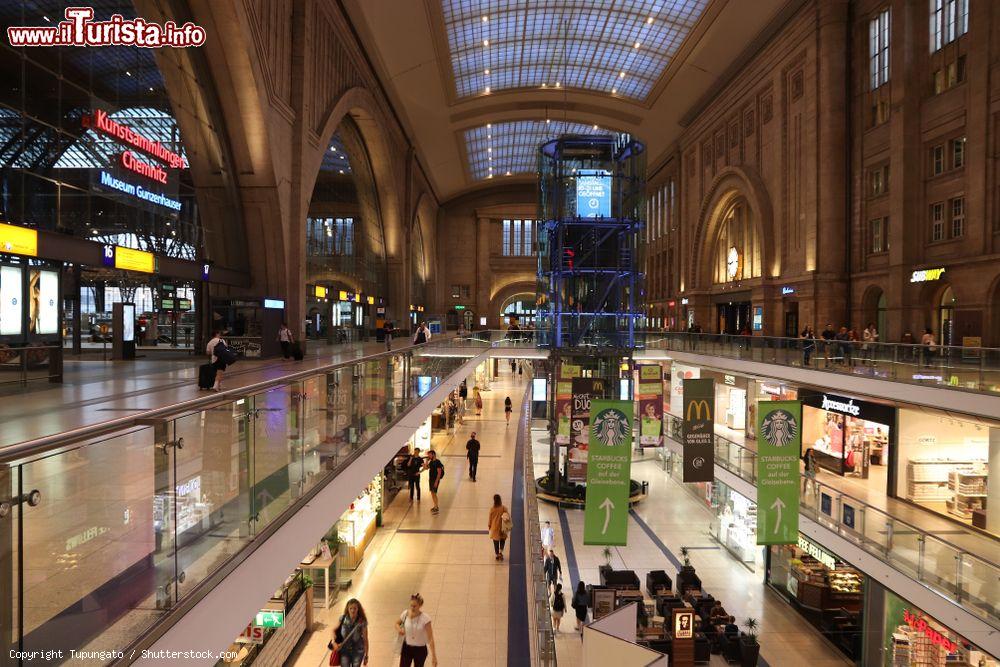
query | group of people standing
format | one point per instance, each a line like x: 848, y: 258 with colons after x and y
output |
x: 839, y: 345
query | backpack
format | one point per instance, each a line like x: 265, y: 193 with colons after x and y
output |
x: 558, y: 602
x: 224, y: 353
x: 506, y: 523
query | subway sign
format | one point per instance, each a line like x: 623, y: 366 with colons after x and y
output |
x: 926, y: 275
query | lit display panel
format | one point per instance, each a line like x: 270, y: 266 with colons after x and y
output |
x: 514, y: 145
x: 609, y: 46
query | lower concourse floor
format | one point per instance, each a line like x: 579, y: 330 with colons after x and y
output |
x: 667, y: 520
x: 448, y: 558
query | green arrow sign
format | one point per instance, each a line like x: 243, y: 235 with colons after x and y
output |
x: 609, y: 463
x: 779, y: 441
x: 268, y: 618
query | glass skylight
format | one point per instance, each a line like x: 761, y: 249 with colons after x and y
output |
x: 513, y: 146
x: 335, y: 159
x: 618, y: 47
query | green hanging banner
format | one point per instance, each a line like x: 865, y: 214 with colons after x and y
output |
x: 779, y: 442
x: 609, y: 466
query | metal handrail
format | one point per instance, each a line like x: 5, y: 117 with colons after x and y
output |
x: 37, y: 446
x: 53, y: 361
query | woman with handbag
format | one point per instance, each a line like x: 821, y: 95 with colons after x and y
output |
x: 349, y: 647
x: 414, y: 627
x: 500, y: 525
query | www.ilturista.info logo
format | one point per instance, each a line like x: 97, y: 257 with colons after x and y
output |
x: 80, y: 29
x: 611, y: 427
x: 779, y: 428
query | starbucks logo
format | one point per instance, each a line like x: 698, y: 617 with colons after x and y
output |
x: 611, y: 427
x: 779, y: 428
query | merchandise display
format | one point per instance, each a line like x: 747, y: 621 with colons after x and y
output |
x: 735, y: 527
x: 960, y: 484
x: 357, y: 525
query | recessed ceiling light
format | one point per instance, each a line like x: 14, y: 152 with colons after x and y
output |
x: 489, y: 136
x: 486, y: 42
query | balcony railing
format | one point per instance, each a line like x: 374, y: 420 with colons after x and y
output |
x: 117, y: 529
x: 970, y: 580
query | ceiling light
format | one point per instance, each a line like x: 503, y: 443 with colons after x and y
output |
x: 508, y: 173
x: 649, y: 20
x: 595, y: 127
x: 637, y: 45
x: 614, y: 91
x: 621, y: 75
x: 47, y: 20
x: 486, y: 42
x: 489, y: 150
x: 489, y: 136
x: 485, y: 19
x: 486, y: 72
x: 487, y: 90
x: 548, y: 120
x: 342, y: 171
x: 150, y: 89
x: 489, y: 125
x: 543, y: 85
x: 128, y: 73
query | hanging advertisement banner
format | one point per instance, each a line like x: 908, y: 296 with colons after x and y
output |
x: 584, y: 389
x: 605, y: 519
x: 650, y: 395
x: 698, y: 430
x: 779, y: 441
x: 564, y: 401
x: 679, y: 373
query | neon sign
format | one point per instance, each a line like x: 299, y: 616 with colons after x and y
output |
x: 150, y: 171
x: 138, y: 192
x: 922, y: 626
x: 926, y: 275
x: 99, y: 120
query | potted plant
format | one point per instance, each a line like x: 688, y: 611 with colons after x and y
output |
x: 749, y: 646
x: 686, y: 555
x: 605, y: 569
x: 307, y: 584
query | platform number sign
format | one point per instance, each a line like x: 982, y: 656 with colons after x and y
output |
x: 108, y: 255
x: 779, y: 441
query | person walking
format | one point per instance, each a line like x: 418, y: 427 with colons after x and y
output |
x: 472, y: 448
x: 808, y: 344
x: 558, y: 607
x: 286, y: 339
x: 580, y: 603
x: 499, y: 524
x: 870, y: 337
x: 508, y: 409
x: 477, y: 399
x: 552, y: 569
x: 387, y: 334
x: 350, y: 636
x: 436, y: 469
x: 414, y: 465
x: 217, y: 362
x: 463, y: 401
x: 548, y: 538
x: 414, y: 626
x: 520, y: 369
x: 513, y: 366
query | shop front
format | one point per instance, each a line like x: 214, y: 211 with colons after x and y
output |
x: 823, y: 588
x: 848, y: 436
x: 273, y: 632
x: 735, y: 525
x: 898, y: 634
x: 943, y: 465
x: 765, y: 390
x: 357, y: 525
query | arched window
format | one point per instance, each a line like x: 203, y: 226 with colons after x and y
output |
x: 946, y: 316
x: 737, y: 247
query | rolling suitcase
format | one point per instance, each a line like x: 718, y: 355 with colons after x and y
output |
x: 297, y: 351
x: 206, y: 376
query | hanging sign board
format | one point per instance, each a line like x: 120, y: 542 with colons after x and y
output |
x: 605, y: 520
x: 779, y: 442
x: 698, y: 430
x: 593, y: 193
x: 16, y: 240
x: 135, y: 260
x: 650, y: 394
x: 564, y: 401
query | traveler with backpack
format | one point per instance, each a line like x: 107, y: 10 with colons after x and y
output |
x: 558, y: 607
x: 500, y: 525
x: 221, y: 356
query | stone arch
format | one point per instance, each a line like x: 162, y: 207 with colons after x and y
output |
x: 509, y: 287
x: 728, y: 186
x: 875, y: 309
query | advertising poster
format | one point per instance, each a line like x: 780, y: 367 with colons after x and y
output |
x: 650, y: 395
x: 11, y: 302
x: 593, y: 193
x: 43, y: 289
x: 564, y: 401
x: 679, y: 373
x: 605, y: 520
x: 698, y: 430
x: 779, y: 441
x: 584, y: 389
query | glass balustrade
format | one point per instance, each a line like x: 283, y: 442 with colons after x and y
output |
x: 129, y: 525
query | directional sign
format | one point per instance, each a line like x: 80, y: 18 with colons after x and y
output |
x: 270, y: 618
x: 609, y: 465
x: 779, y: 441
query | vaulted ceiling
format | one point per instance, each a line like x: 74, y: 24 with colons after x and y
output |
x: 480, y: 83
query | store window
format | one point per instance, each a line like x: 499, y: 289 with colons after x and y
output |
x: 737, y: 248
x: 823, y: 588
x: 848, y: 437
x: 900, y: 634
x: 735, y: 526
x: 949, y: 20
x: 946, y: 317
x: 878, y: 49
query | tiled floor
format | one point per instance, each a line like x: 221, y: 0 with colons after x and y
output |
x: 678, y: 519
x: 465, y: 589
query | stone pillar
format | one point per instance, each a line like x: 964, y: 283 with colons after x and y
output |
x: 483, y: 284
x: 832, y: 222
